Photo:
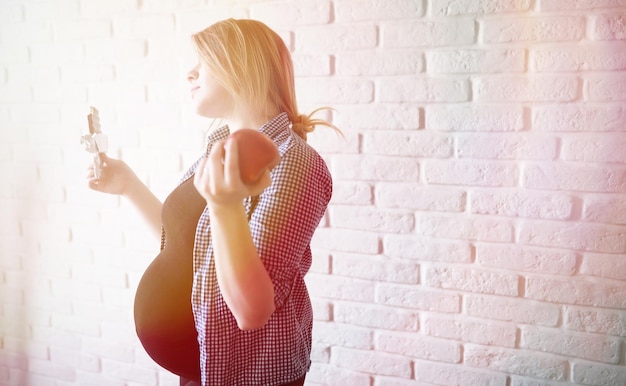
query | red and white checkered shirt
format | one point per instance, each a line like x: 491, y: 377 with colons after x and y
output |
x: 282, y: 224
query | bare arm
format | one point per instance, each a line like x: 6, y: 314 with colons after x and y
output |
x: 119, y: 179
x: 244, y: 282
x: 148, y: 205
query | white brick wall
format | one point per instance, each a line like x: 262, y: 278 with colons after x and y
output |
x: 477, y: 233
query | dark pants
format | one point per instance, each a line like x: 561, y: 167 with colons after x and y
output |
x: 186, y: 382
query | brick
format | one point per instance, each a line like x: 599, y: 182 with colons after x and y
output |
x: 144, y: 71
x: 16, y: 94
x: 569, y: 5
x: 143, y: 26
x: 14, y: 54
x: 37, y: 114
x: 345, y: 240
x: 464, y: 228
x: 334, y: 90
x: 340, y: 288
x: 52, y: 370
x: 537, y: 88
x: 471, y: 280
x: 600, y: 321
x: 447, y: 374
x: 93, y: 379
x: 367, y: 10
x: 471, y: 173
x: 575, y: 236
x: 11, y: 13
x: 606, y: 87
x: 415, y: 196
x: 516, y: 361
x: 75, y: 359
x: 312, y: 65
x: 472, y: 61
x: 507, y: 146
x: 470, y: 330
x: 58, y: 53
x: 437, y: 32
x: 376, y: 316
x: 524, y: 259
x: 481, y: 7
x: 377, y: 168
x: 524, y: 381
x: 320, y: 353
x: 577, y: 345
x: 344, y: 335
x: 352, y: 193
x: 533, y: 29
x: 588, y: 117
x: 596, y: 57
x: 50, y: 94
x: 422, y: 89
x: 329, y: 375
x: 605, y: 209
x: 604, y: 266
x: 524, y: 204
x: 124, y: 93
x: 574, y: 177
x: 605, y: 148
x: 597, y: 374
x: 81, y: 74
x: 110, y: 7
x: 129, y: 372
x: 286, y: 13
x: 512, y: 310
x: 609, y: 26
x: 77, y: 30
x: 43, y: 12
x: 422, y: 144
x: 369, y: 218
x: 197, y: 16
x: 417, y: 297
x: 375, y: 268
x: 31, y: 32
x: 37, y: 75
x: 379, y: 63
x: 393, y: 381
x: 372, y: 362
x: 581, y: 292
x: 422, y: 248
x: 379, y: 116
x: 483, y: 118
x: 335, y: 38
x: 419, y: 346
x: 115, y: 51
x: 321, y: 261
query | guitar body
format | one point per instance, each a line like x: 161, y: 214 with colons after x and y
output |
x: 163, y: 315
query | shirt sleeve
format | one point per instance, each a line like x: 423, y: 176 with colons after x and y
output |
x: 287, y: 214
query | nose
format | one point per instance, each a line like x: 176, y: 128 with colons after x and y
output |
x: 192, y: 74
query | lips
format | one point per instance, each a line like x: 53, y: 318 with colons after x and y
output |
x: 193, y: 90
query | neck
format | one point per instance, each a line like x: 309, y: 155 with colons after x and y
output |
x: 247, y: 119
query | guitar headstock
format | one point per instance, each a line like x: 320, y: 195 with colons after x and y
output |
x: 94, y: 121
x: 95, y: 142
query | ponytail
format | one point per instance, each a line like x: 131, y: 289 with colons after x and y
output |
x: 304, y: 124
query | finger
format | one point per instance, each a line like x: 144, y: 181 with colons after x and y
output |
x: 215, y: 164
x: 199, y: 177
x: 231, y: 162
x: 263, y: 182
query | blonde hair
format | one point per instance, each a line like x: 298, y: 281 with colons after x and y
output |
x: 253, y: 63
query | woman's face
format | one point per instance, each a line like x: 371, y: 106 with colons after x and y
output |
x: 208, y: 96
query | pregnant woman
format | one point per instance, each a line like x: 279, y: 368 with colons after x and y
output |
x: 225, y: 303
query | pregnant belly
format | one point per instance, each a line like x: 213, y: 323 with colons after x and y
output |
x: 163, y: 315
